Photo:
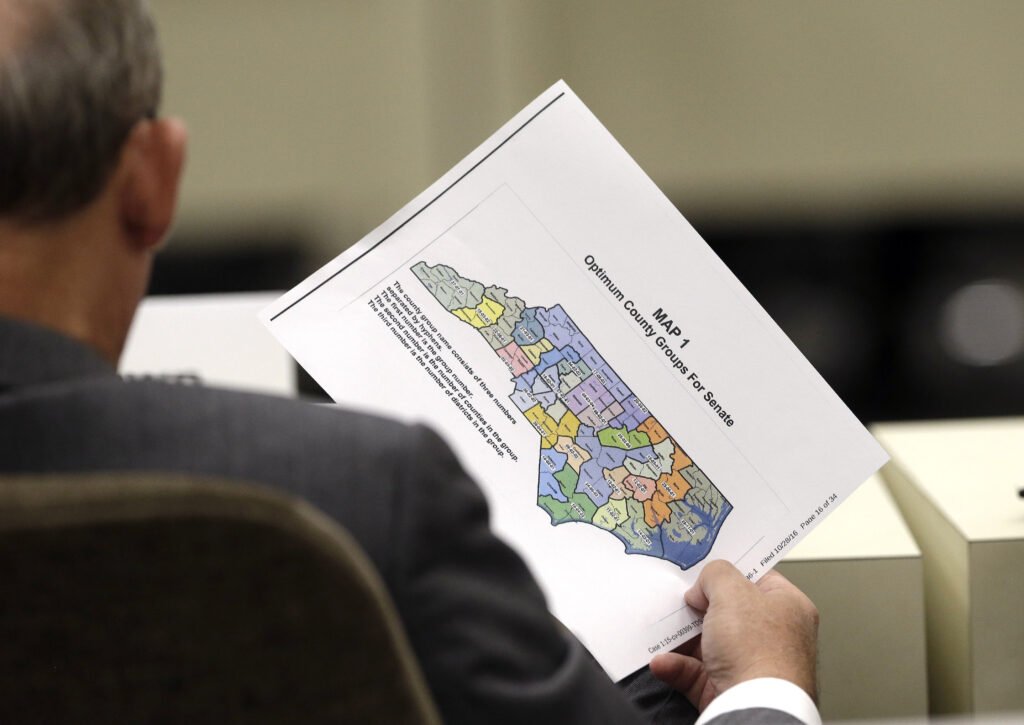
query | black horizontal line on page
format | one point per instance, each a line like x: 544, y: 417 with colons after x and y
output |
x: 422, y: 208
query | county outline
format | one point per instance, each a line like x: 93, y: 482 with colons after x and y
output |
x: 605, y: 460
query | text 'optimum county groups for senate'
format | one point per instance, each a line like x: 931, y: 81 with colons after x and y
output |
x: 425, y: 343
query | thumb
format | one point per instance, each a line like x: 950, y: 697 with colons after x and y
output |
x: 681, y: 672
x: 717, y: 579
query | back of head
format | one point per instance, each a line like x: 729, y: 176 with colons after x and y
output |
x: 75, y: 77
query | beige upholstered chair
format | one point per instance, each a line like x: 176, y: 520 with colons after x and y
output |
x: 155, y: 598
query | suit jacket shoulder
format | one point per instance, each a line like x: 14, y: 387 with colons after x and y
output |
x: 476, y: 618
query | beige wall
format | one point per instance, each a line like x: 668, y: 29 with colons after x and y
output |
x: 334, y: 113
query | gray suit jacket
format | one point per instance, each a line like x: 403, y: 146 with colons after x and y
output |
x: 476, y: 619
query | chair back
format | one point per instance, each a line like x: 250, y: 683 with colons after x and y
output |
x: 157, y: 598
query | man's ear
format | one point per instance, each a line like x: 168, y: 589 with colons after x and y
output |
x: 151, y: 166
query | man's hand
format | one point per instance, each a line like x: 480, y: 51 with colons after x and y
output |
x: 768, y: 629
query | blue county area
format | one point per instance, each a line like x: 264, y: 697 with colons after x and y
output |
x: 632, y: 413
x: 550, y: 358
x: 595, y: 361
x: 557, y: 326
x: 548, y: 367
x: 620, y: 421
x: 628, y: 418
x: 620, y: 391
x: 611, y: 379
x: 643, y: 455
x: 686, y: 554
x: 522, y: 401
x: 579, y: 341
x: 569, y: 353
x: 542, y: 391
x: 582, y: 345
x: 549, y: 374
x: 525, y: 381
x: 607, y: 457
x: 551, y: 462
x: 588, y: 441
x: 593, y: 483
x: 528, y: 331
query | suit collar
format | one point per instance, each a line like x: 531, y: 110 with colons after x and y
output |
x: 32, y: 355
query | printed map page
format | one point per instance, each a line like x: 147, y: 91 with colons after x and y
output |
x: 605, y: 460
x: 628, y: 409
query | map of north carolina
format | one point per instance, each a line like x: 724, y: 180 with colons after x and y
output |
x: 605, y: 459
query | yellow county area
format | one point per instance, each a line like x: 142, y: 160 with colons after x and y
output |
x: 569, y: 425
x: 484, y: 314
x: 611, y: 514
x: 544, y: 424
x: 537, y: 349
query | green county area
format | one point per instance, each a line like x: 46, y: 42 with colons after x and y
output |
x: 572, y: 374
x: 635, y: 532
x: 620, y: 438
x: 578, y: 507
x: 499, y: 334
x: 450, y: 289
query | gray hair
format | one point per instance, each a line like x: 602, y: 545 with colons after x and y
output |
x: 75, y: 78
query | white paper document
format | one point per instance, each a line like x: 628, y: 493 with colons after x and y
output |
x: 199, y: 339
x: 628, y: 408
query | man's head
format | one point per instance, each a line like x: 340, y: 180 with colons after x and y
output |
x: 75, y: 77
x: 88, y: 174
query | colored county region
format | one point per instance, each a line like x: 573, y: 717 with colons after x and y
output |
x: 652, y: 428
x: 544, y: 424
x: 448, y: 287
x: 536, y: 350
x: 515, y: 359
x: 604, y: 458
x: 483, y: 315
x: 575, y: 456
x: 621, y: 438
x: 568, y: 425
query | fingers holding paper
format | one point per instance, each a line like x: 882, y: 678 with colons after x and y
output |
x: 767, y: 629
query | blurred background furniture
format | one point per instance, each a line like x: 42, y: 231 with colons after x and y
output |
x: 956, y: 483
x: 182, y: 339
x: 862, y: 569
